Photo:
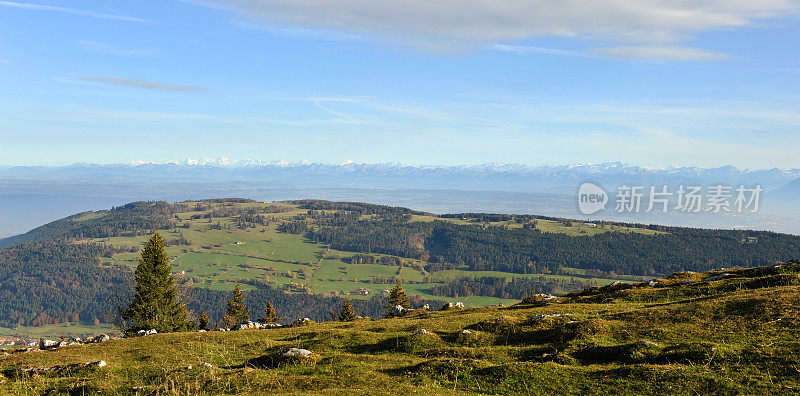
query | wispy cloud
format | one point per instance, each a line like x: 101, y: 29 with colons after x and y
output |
x: 525, y: 50
x: 662, y: 53
x: 105, y: 48
x: 143, y: 84
x: 73, y: 11
x: 646, y: 53
x: 483, y: 23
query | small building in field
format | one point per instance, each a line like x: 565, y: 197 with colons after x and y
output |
x: 360, y: 292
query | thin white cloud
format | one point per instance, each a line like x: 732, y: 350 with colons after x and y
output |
x: 143, y: 84
x: 525, y: 50
x: 662, y: 53
x: 105, y: 48
x: 73, y: 11
x: 476, y: 23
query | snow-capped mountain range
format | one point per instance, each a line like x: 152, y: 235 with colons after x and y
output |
x: 487, y: 177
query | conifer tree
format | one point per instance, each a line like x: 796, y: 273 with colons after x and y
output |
x: 397, y: 296
x: 156, y: 304
x: 237, y: 310
x: 204, y: 322
x: 346, y: 313
x: 270, y: 315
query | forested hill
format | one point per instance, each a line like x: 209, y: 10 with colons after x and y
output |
x: 306, y: 255
x: 131, y: 219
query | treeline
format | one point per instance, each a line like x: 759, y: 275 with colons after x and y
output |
x: 369, y: 259
x: 517, y: 288
x: 357, y: 207
x: 137, y: 218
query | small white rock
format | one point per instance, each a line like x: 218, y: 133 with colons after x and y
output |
x: 299, y: 352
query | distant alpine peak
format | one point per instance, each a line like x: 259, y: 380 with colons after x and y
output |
x: 588, y: 168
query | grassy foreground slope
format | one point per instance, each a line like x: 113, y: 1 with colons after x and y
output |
x: 736, y: 332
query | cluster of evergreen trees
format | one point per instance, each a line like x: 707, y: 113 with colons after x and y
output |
x: 54, y: 281
x: 131, y: 219
x: 293, y: 227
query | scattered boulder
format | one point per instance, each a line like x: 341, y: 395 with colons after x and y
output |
x: 292, y: 355
x: 474, y: 338
x: 558, y: 315
x: 142, y: 333
x: 421, y: 332
x: 458, y: 305
x: 397, y: 310
x: 298, y: 352
x: 247, y: 326
x: 718, y: 277
x: 97, y: 364
x: 537, y: 299
x: 48, y: 344
x: 62, y: 368
x: 204, y: 364
x: 301, y: 322
x: 615, y: 286
x: 98, y: 339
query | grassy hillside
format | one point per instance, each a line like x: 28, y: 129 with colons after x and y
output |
x: 304, y: 256
x: 217, y: 254
x: 683, y: 334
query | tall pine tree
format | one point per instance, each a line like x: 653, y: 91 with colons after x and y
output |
x: 270, y: 315
x: 204, y: 322
x: 346, y: 313
x: 237, y: 310
x: 397, y: 296
x: 156, y: 304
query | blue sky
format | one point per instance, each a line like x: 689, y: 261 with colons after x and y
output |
x: 650, y: 83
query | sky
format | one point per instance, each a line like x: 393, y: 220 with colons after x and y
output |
x: 649, y: 83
